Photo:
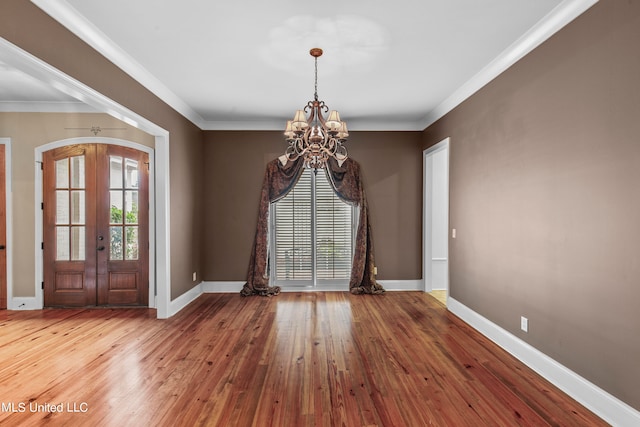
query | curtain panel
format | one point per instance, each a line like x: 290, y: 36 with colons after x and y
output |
x: 346, y: 181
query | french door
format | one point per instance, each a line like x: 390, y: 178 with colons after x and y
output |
x: 96, y: 231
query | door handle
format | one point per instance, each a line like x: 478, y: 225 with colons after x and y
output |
x: 101, y: 248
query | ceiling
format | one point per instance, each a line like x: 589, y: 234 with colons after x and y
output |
x: 21, y: 92
x: 245, y: 64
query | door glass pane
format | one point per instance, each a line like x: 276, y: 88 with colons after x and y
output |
x: 62, y: 173
x: 62, y: 243
x: 62, y: 207
x: 115, y: 172
x: 131, y: 204
x: 115, y: 247
x: 132, y: 243
x: 78, y: 244
x: 77, y: 207
x: 116, y: 207
x: 131, y: 173
x: 77, y: 172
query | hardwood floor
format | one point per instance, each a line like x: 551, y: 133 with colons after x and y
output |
x: 298, y: 359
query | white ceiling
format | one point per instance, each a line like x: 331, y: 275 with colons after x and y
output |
x: 20, y: 92
x: 244, y: 64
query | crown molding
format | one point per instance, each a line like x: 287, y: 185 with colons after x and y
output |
x: 553, y: 22
x: 69, y: 17
x: 278, y: 125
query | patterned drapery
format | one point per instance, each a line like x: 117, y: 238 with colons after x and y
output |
x: 346, y: 181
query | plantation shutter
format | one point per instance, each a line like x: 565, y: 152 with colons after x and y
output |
x: 293, y: 246
x: 333, y: 232
x: 312, y: 223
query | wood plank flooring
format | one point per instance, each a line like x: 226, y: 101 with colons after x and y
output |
x: 298, y: 359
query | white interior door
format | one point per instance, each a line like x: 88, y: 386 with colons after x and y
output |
x: 436, y: 217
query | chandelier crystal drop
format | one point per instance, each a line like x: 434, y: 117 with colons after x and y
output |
x: 313, y: 137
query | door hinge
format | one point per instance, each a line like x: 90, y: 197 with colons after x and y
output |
x: 42, y: 285
x: 42, y: 245
x: 42, y: 205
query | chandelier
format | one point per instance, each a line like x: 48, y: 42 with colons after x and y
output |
x: 313, y: 137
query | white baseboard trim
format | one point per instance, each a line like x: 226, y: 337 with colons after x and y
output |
x: 389, y: 285
x: 185, y: 299
x: 402, y: 285
x: 603, y: 404
x: 24, y: 303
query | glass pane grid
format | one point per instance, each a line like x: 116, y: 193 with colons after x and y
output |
x: 70, y: 209
x: 62, y: 244
x: 77, y: 172
x: 116, y: 249
x: 62, y: 173
x: 124, y: 214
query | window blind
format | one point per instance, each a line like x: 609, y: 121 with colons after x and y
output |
x: 313, y: 233
x: 333, y: 232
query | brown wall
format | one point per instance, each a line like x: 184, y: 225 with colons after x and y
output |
x: 545, y: 171
x: 26, y: 26
x: 392, y: 169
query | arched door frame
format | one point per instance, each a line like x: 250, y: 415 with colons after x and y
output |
x: 35, y: 67
x: 39, y: 197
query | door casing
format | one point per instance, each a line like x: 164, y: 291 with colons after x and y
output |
x: 5, y: 191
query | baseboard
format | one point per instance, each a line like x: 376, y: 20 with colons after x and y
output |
x: 389, y: 285
x: 601, y: 403
x: 24, y: 303
x: 185, y: 299
x: 402, y: 285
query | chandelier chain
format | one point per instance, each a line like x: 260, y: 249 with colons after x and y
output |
x: 315, y: 95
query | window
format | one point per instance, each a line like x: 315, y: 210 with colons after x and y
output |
x: 312, y: 233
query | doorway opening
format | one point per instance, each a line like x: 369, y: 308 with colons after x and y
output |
x: 96, y: 218
x: 436, y: 220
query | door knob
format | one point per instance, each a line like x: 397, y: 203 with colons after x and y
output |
x: 101, y: 248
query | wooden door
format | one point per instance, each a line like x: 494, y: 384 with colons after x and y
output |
x: 3, y: 230
x: 123, y: 231
x: 95, y: 226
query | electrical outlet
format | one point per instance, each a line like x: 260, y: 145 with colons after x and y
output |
x: 453, y: 233
x: 524, y: 324
x: 375, y: 271
x: 194, y: 276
